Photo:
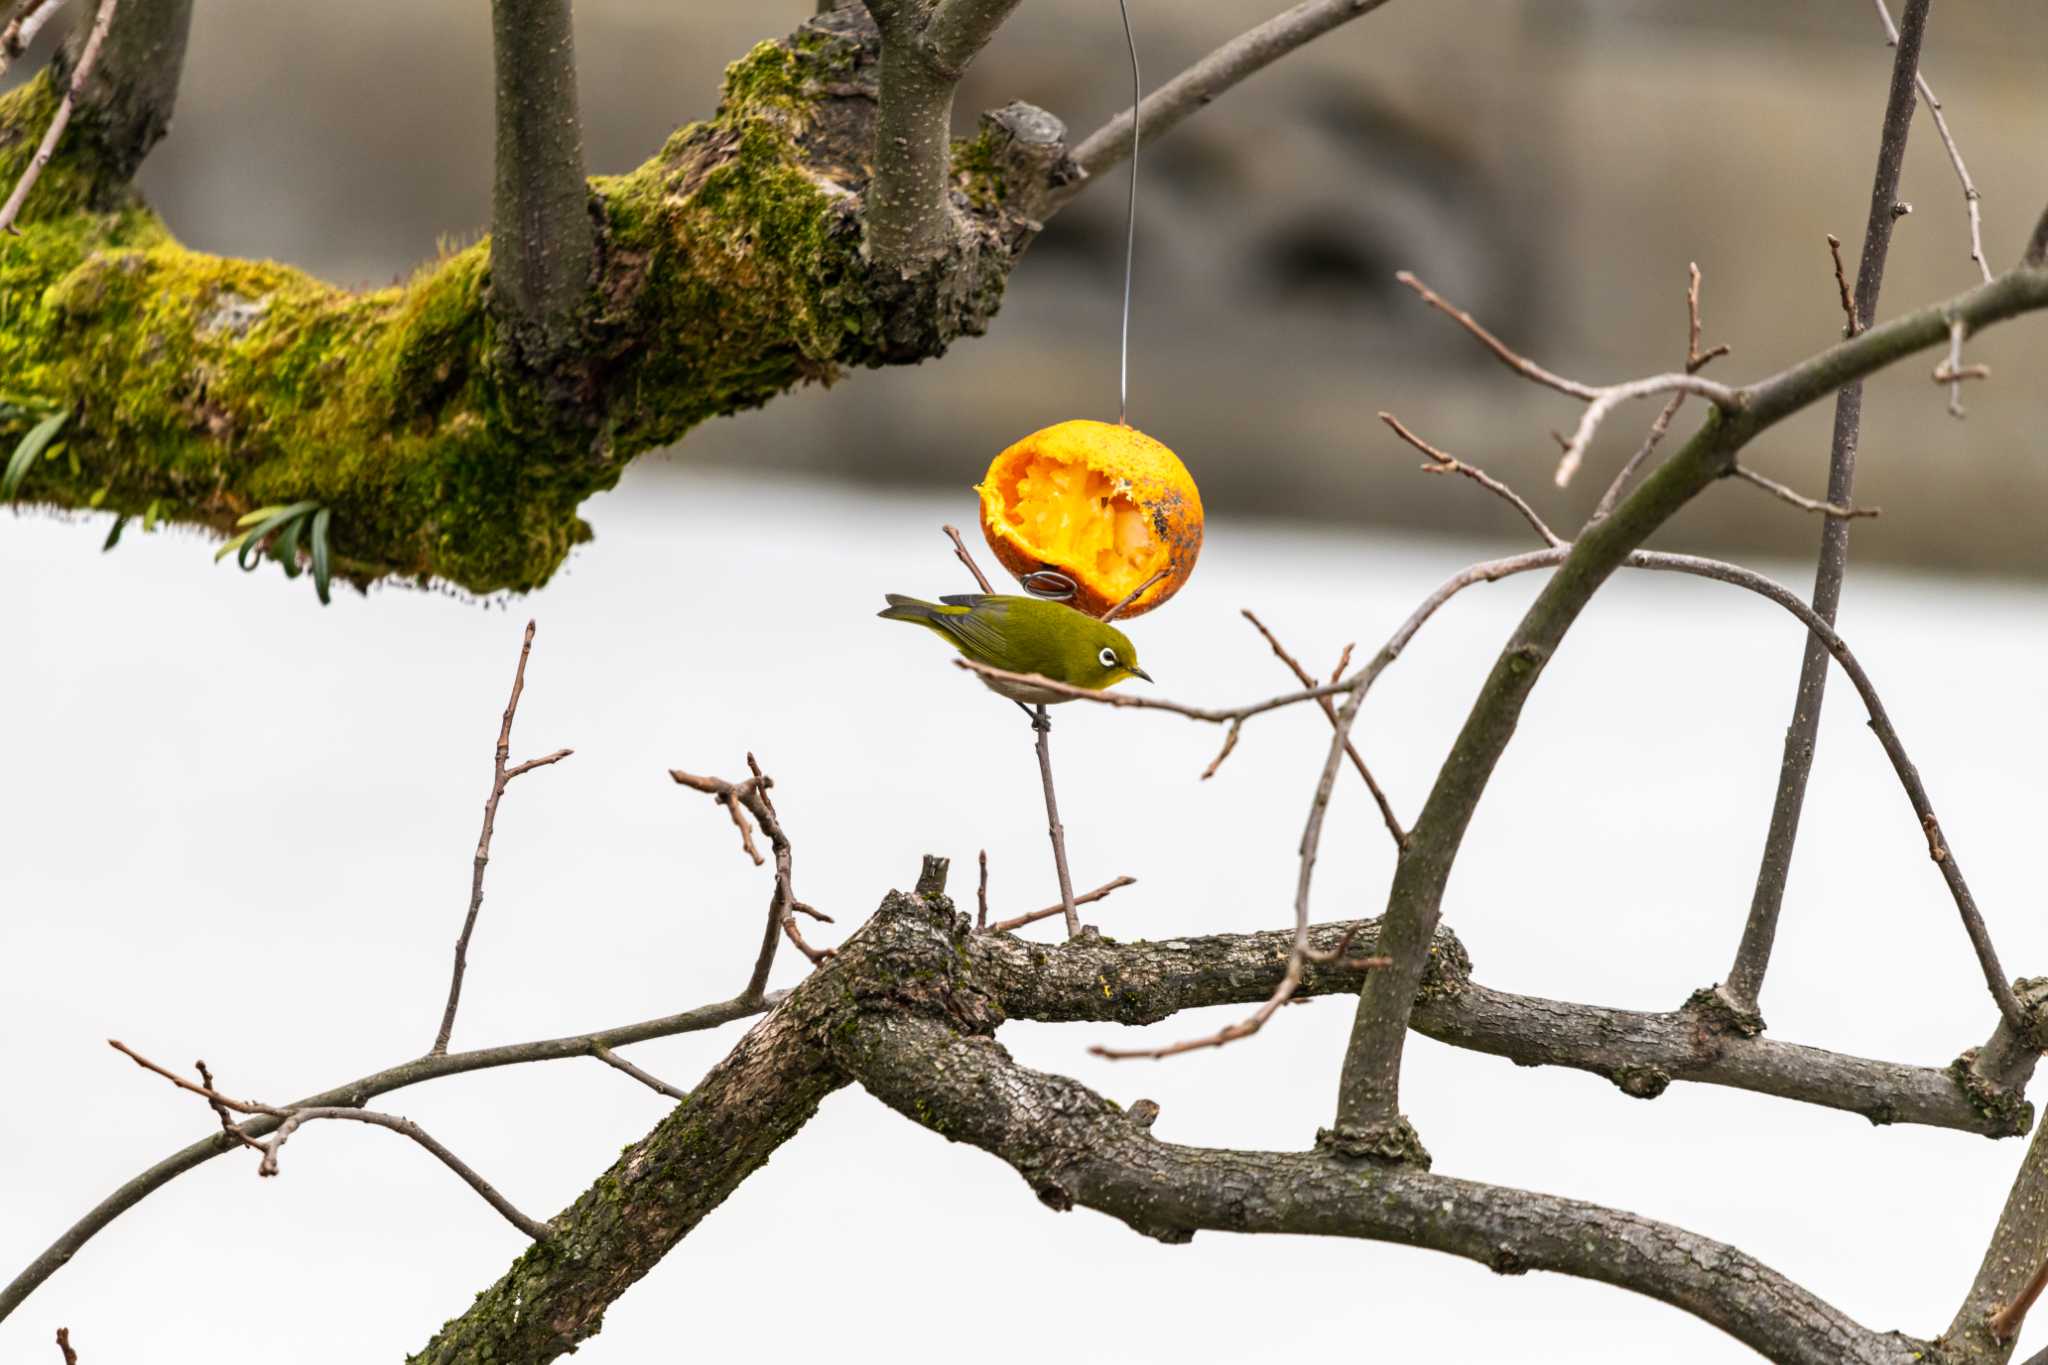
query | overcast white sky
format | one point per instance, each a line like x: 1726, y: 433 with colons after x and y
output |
x: 238, y: 826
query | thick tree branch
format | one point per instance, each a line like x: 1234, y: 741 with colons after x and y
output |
x: 1075, y: 1148
x: 909, y: 214
x: 543, y: 237
x: 125, y: 105
x: 1745, y: 977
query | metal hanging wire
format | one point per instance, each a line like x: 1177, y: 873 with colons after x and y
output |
x: 1123, y: 375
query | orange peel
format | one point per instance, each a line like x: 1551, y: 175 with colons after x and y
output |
x: 1100, y: 502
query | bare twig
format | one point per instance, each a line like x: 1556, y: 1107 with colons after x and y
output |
x: 360, y: 1091
x: 60, y: 120
x: 1041, y: 725
x: 22, y: 29
x: 501, y: 776
x: 291, y: 1118
x: 1744, y: 981
x: 1135, y: 593
x: 783, y: 906
x: 1229, y: 746
x: 981, y: 897
x: 1329, y: 709
x: 1695, y: 360
x: 654, y: 1083
x: 1972, y: 200
x: 1442, y: 463
x: 1800, y: 500
x: 960, y: 549
x: 1851, y: 324
x: 1006, y: 926
x: 64, y: 1345
x: 1599, y: 400
x: 1952, y: 371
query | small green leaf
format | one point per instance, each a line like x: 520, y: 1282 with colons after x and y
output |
x: 149, y: 515
x: 224, y: 551
x: 99, y: 496
x: 285, y: 549
x: 32, y: 445
x: 114, y: 536
x: 260, y: 514
x: 322, y: 569
x: 71, y: 459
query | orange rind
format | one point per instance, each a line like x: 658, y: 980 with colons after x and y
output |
x: 1103, y: 504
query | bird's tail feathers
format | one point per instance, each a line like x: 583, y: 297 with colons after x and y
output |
x: 903, y: 608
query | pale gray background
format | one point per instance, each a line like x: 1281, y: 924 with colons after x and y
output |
x: 237, y: 826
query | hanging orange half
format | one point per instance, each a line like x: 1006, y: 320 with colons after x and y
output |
x: 1102, y: 503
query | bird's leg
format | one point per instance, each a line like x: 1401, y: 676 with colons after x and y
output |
x: 1042, y: 723
x: 1029, y: 714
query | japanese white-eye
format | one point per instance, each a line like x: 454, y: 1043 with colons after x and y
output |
x: 1026, y: 635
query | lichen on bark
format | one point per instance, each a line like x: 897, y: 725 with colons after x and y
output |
x: 731, y: 271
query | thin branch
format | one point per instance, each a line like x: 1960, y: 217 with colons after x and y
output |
x: 1599, y: 400
x: 1329, y: 709
x: 21, y: 30
x: 1952, y: 371
x: 1249, y: 52
x: 1744, y: 982
x: 981, y: 897
x: 1442, y: 463
x: 358, y: 1092
x: 543, y: 236
x: 652, y: 1082
x: 11, y: 210
x: 500, y: 777
x: 1009, y: 925
x: 1041, y: 725
x: 960, y: 549
x: 783, y: 906
x: 289, y: 1120
x: 1615, y: 395
x: 1851, y: 324
x: 1695, y: 360
x: 1800, y: 500
x: 1502, y: 352
x: 1135, y: 593
x: 64, y: 1345
x: 1972, y: 200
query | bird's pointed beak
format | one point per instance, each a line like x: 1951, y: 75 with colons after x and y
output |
x: 1138, y: 672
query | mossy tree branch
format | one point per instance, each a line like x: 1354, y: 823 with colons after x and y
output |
x: 543, y: 237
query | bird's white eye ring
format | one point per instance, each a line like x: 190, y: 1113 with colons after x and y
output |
x: 1108, y: 657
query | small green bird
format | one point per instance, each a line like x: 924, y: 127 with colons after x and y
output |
x: 1026, y: 635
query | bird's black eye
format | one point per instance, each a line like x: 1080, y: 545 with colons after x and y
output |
x: 1108, y: 657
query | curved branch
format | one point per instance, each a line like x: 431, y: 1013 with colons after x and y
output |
x: 1075, y: 1148
x: 356, y: 1093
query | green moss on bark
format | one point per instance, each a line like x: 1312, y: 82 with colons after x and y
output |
x: 206, y: 387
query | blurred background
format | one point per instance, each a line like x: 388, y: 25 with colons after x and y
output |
x: 1552, y: 167
x: 239, y: 826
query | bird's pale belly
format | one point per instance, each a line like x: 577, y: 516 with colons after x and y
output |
x: 1023, y: 692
